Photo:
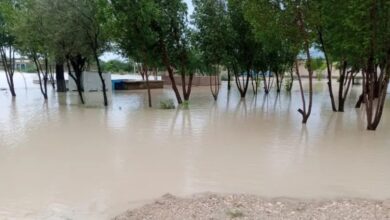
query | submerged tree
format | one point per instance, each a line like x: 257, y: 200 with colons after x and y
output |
x: 211, y: 34
x: 283, y: 29
x: 276, y: 33
x: 243, y: 48
x: 90, y: 18
x: 375, y: 36
x: 134, y: 33
x: 31, y: 34
x: 160, y: 31
x: 7, y: 43
x: 170, y: 26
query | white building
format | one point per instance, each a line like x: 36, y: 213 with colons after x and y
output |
x: 93, y: 93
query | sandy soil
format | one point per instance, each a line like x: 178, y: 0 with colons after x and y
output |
x: 213, y: 206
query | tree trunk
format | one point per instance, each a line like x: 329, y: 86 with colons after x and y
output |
x: 242, y: 85
x: 360, y: 101
x: 9, y: 68
x: 381, y: 95
x: 277, y: 82
x: 39, y: 72
x: 306, y: 113
x: 104, y: 89
x: 302, y: 110
x: 214, y: 84
x: 189, y: 87
x: 146, y: 74
x: 77, y: 78
x: 292, y: 78
x: 329, y: 69
x: 53, y: 83
x: 46, y: 75
x: 343, y: 70
x: 167, y: 64
x: 255, y: 84
x: 243, y: 94
x: 60, y: 77
x: 229, y: 79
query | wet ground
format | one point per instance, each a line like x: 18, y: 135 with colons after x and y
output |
x: 69, y: 162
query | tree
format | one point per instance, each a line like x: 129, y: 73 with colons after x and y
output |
x: 91, y: 16
x: 243, y: 48
x: 275, y: 31
x: 154, y: 33
x: 211, y: 28
x: 31, y: 34
x: 282, y: 27
x: 134, y: 33
x: 7, y: 42
x: 356, y: 34
x: 67, y: 40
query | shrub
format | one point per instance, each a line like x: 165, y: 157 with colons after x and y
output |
x: 185, y: 105
x: 288, y: 84
x: 167, y: 104
x: 319, y: 75
x: 224, y: 77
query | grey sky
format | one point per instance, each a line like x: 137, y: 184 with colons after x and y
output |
x: 190, y: 6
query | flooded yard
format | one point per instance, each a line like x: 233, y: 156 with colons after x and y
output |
x: 69, y: 162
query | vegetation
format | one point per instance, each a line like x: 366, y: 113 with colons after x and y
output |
x: 211, y: 22
x: 167, y: 104
x: 118, y: 66
x: 7, y: 42
x: 319, y: 67
x: 256, y: 41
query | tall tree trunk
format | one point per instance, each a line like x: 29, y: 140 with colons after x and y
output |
x: 383, y: 86
x: 167, y: 64
x: 277, y: 82
x: 266, y: 84
x: 104, y: 88
x: 9, y: 68
x: 303, y: 110
x: 60, y: 77
x: 146, y: 74
x: 343, y: 70
x: 189, y: 87
x: 306, y: 113
x: 292, y: 78
x: 255, y: 83
x: 42, y: 85
x: 329, y: 69
x: 242, y: 84
x: 52, y: 80
x: 76, y: 77
x: 229, y: 79
x: 46, y: 75
x: 214, y: 84
x: 371, y: 71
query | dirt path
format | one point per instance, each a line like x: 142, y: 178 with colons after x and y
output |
x: 214, y: 206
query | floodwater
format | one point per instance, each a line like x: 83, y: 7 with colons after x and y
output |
x: 69, y: 162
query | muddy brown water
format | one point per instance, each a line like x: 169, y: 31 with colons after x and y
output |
x: 68, y: 162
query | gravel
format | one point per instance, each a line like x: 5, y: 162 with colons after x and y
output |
x: 216, y: 206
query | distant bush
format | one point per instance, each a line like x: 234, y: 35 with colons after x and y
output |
x: 30, y: 68
x: 117, y: 66
x: 224, y: 77
x: 318, y: 65
x: 167, y: 104
x: 319, y: 75
x: 288, y: 84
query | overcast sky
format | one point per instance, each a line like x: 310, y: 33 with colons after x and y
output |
x: 190, y: 7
